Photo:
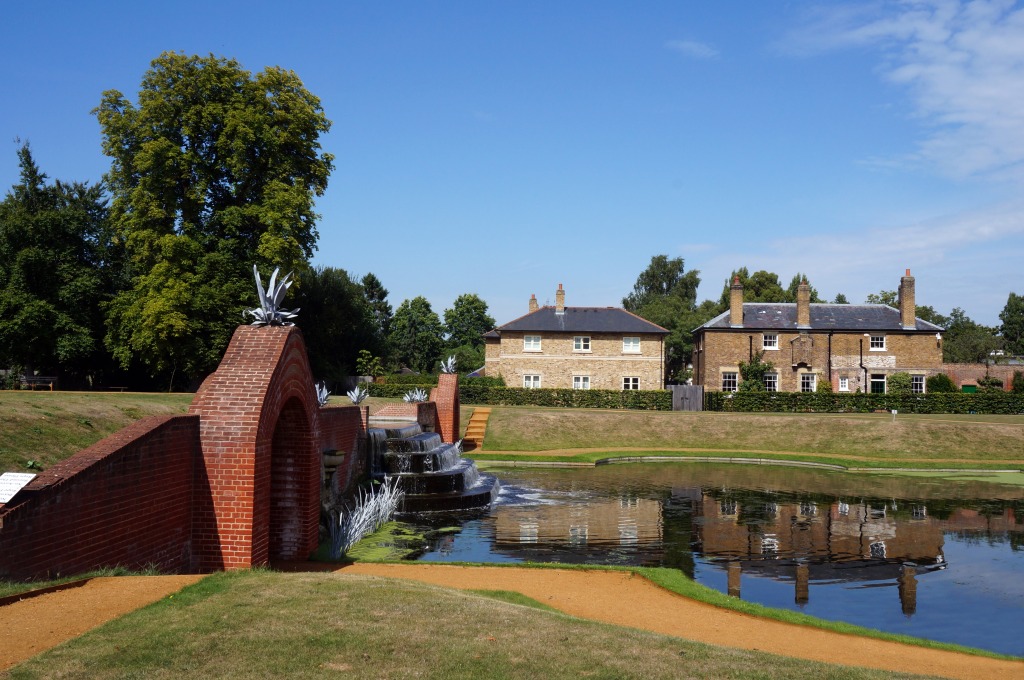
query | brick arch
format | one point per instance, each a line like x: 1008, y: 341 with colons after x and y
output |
x: 258, y: 482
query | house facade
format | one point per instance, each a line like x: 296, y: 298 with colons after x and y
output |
x: 556, y: 346
x: 854, y: 347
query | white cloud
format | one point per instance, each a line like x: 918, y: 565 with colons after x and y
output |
x: 959, y: 260
x: 692, y: 48
x: 963, y: 64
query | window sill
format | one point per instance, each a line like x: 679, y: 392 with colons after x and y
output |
x: 583, y: 351
x: 877, y: 349
x: 533, y: 351
x: 770, y: 349
x: 633, y: 353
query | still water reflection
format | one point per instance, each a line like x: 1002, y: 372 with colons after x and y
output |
x: 933, y: 558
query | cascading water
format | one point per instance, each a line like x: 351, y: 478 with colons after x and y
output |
x: 433, y: 475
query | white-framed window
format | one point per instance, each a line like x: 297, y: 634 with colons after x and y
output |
x: 770, y: 341
x: 581, y: 343
x: 581, y: 382
x: 917, y: 384
x: 808, y: 381
x: 630, y: 383
x: 531, y: 343
x: 877, y: 343
x: 771, y: 382
x: 844, y: 384
x: 730, y: 381
x: 631, y: 345
x: 531, y: 381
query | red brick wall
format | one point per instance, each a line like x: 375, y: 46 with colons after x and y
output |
x: 235, y: 483
x: 446, y: 396
x: 342, y: 429
x: 968, y: 374
x: 263, y: 370
x: 125, y: 501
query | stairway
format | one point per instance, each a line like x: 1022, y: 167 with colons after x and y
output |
x: 476, y: 428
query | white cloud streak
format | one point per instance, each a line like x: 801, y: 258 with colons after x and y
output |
x: 963, y: 63
x: 692, y: 48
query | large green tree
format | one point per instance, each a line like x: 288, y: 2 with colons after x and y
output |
x: 213, y: 170
x: 337, y: 322
x: 376, y: 296
x: 666, y: 294
x: 466, y: 321
x: 968, y: 342
x: 795, y: 283
x: 55, y: 268
x: 761, y: 286
x: 416, y: 335
x: 1012, y: 328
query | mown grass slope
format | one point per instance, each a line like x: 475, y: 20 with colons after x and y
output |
x: 266, y: 624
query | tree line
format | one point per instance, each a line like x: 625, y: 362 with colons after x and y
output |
x: 665, y: 293
x: 141, y: 279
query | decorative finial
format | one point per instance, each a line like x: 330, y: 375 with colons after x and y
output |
x: 269, y: 313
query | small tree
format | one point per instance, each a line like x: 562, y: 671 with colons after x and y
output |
x: 899, y: 383
x: 824, y: 386
x: 940, y: 383
x: 753, y: 373
x: 367, y: 364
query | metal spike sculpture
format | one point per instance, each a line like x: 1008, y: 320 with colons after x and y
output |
x: 448, y: 365
x: 323, y: 394
x: 358, y: 394
x: 269, y: 313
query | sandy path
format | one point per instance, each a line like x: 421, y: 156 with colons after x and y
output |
x: 628, y: 600
x: 32, y: 626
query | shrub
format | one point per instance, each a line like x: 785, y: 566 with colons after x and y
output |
x: 753, y: 373
x: 417, y: 379
x: 899, y: 383
x: 990, y: 383
x: 940, y: 383
x: 824, y: 386
x: 367, y: 364
x: 483, y: 381
x: 1017, y: 384
x: 643, y: 400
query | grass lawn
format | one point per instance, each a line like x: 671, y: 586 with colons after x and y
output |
x: 265, y: 624
x: 848, y: 439
x: 47, y: 427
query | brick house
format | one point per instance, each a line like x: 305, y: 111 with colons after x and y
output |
x: 855, y: 347
x: 604, y: 348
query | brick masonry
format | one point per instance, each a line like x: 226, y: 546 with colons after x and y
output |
x: 816, y: 352
x: 235, y: 483
x: 557, y: 362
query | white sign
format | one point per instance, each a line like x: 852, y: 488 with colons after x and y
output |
x: 13, y: 482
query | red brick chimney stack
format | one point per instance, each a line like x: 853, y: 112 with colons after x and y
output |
x: 560, y: 300
x: 736, y: 303
x: 907, y: 302
x: 803, y: 305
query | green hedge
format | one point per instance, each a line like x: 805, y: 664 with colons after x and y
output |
x: 471, y: 392
x: 413, y: 379
x: 389, y: 390
x: 642, y: 400
x: 818, y: 402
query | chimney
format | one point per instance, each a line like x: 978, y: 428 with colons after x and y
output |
x: 736, y: 303
x: 533, y: 302
x: 559, y: 300
x: 908, y: 304
x: 803, y: 305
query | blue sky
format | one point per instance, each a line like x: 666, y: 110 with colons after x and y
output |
x: 503, y: 148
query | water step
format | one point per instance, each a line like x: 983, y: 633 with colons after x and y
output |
x: 479, y: 496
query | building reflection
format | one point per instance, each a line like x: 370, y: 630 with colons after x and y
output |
x: 785, y: 536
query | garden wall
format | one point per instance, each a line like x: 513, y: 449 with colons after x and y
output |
x: 126, y: 500
x: 236, y: 483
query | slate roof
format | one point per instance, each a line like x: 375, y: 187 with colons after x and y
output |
x: 579, y: 320
x: 829, y: 317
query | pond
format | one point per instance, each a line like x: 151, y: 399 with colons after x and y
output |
x: 934, y: 558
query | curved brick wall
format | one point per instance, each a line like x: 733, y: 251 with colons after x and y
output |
x: 249, y: 479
